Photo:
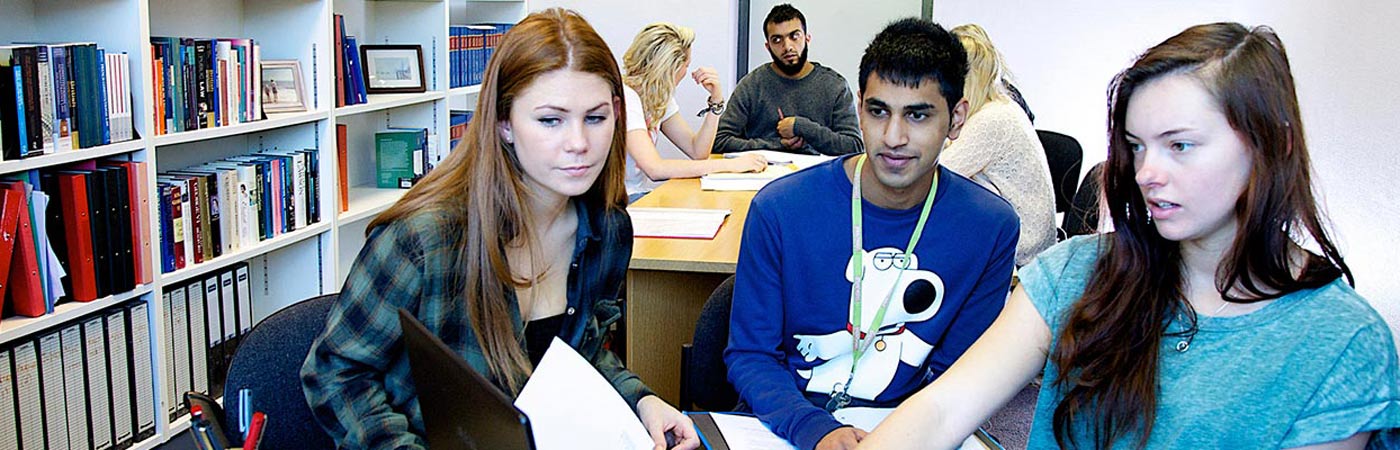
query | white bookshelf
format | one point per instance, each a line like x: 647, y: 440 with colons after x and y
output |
x: 293, y: 266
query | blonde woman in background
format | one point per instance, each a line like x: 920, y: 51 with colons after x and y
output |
x: 998, y: 147
x: 654, y: 66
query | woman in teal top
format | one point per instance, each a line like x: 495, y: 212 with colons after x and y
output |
x: 1219, y: 314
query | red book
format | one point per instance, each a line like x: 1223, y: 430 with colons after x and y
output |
x: 77, y: 230
x: 26, y: 291
x: 10, y: 206
x: 177, y: 229
x: 339, y: 60
x: 343, y: 165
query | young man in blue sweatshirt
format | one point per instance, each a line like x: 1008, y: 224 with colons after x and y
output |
x: 862, y: 279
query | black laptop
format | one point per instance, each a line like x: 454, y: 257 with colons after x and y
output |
x: 461, y: 408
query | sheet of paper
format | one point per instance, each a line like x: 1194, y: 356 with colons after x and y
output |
x: 868, y: 418
x: 572, y: 407
x: 744, y: 181
x: 780, y: 158
x: 748, y: 433
x: 677, y: 222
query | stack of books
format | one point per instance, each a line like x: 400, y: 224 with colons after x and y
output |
x: 210, y: 210
x: 205, y: 83
x: 61, y: 97
x: 470, y: 48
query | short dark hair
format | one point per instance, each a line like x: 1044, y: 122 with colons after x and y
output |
x: 909, y: 50
x: 783, y: 13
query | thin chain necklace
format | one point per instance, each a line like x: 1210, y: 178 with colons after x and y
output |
x: 1185, y: 343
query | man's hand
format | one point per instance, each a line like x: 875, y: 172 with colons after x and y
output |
x: 794, y: 142
x: 785, y: 127
x: 844, y: 438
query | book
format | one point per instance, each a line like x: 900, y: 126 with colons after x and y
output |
x: 119, y: 378
x: 76, y: 229
x: 98, y: 399
x: 10, y: 209
x: 28, y: 395
x: 55, y: 401
x: 143, y: 397
x: 342, y: 175
x: 9, y: 415
x: 394, y: 152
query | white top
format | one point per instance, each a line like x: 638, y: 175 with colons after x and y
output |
x: 637, y: 181
x: 999, y: 150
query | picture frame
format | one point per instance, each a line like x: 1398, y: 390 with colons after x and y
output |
x: 282, y: 90
x: 393, y: 68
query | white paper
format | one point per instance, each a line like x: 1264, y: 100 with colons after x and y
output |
x: 677, y: 222
x: 571, y: 406
x: 748, y: 433
x: 868, y: 418
x: 783, y: 158
x: 723, y: 181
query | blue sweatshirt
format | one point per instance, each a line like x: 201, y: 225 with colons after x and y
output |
x: 790, y: 330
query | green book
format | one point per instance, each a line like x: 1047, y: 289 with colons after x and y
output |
x: 393, y: 158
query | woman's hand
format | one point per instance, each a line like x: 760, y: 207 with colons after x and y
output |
x: 747, y: 163
x: 661, y: 419
x: 708, y: 78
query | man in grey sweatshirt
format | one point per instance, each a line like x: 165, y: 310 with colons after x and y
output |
x: 791, y: 104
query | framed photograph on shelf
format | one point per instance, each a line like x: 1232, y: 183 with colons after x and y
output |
x: 393, y: 69
x: 282, y: 89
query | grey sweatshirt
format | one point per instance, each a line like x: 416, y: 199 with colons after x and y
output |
x: 823, y: 105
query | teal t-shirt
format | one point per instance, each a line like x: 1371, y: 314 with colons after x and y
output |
x: 1314, y: 366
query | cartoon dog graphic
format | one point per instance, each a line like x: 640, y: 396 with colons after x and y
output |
x: 917, y: 296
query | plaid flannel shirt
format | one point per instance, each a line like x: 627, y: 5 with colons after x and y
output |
x: 356, y: 377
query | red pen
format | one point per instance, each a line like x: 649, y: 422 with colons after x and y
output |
x: 255, y: 431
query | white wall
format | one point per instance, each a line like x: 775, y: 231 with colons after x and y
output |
x: 840, y: 30
x: 1345, y: 57
x: 714, y: 22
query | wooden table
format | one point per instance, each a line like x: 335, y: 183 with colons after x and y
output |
x: 670, y: 279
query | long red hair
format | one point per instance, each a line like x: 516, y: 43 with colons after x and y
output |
x: 480, y: 186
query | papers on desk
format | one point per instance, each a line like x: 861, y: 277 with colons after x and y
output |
x: 744, y: 181
x: 748, y: 433
x: 677, y: 222
x: 571, y: 406
x: 744, y: 432
x: 785, y: 158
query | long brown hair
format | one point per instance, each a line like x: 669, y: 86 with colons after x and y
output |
x: 480, y: 186
x: 1109, y: 349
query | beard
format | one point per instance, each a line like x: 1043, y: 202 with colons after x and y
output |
x: 790, y: 69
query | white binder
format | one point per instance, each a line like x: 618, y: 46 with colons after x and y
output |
x: 55, y: 406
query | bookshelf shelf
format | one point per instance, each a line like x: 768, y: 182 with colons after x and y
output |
x: 379, y: 102
x: 58, y: 159
x: 291, y: 267
x: 465, y: 90
x: 214, y: 265
x: 273, y: 121
x: 366, y: 202
x: 12, y: 328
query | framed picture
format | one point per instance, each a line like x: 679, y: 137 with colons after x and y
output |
x: 282, y: 89
x: 393, y: 68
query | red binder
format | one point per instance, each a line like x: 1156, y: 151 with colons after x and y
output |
x: 10, y: 206
x: 77, y: 229
x: 26, y: 291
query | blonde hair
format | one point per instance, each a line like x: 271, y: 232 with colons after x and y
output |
x: 650, y: 65
x: 986, y: 70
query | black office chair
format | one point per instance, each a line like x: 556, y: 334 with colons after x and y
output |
x: 1066, y: 158
x: 1083, y: 214
x: 704, y: 379
x: 268, y: 364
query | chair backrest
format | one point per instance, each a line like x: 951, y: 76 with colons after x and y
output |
x: 704, y: 379
x: 1066, y: 158
x: 1083, y: 214
x: 268, y: 364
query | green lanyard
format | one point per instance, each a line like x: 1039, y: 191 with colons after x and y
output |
x: 860, y: 339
